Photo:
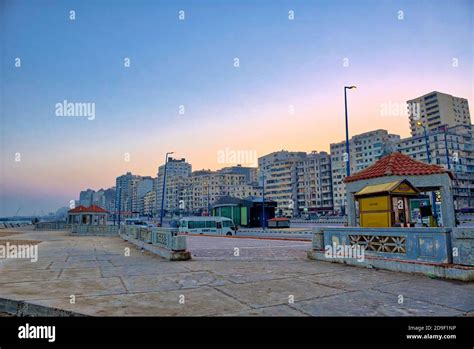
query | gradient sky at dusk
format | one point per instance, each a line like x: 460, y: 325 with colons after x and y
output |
x: 190, y: 63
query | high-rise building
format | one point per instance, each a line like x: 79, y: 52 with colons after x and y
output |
x: 144, y: 186
x: 149, y: 203
x: 125, y: 187
x: 176, y: 168
x: 435, y: 109
x: 206, y: 187
x: 279, y: 170
x: 452, y: 148
x: 245, y: 191
x: 364, y: 149
x: 85, y: 197
x: 314, y: 183
x: 250, y: 173
x: 109, y: 199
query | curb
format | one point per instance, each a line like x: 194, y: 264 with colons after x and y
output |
x: 23, y: 308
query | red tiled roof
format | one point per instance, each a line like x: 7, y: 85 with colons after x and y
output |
x: 90, y: 209
x: 397, y: 164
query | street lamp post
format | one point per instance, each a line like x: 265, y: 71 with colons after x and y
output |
x: 446, y: 147
x: 209, y: 197
x: 428, y: 155
x: 164, y: 188
x: 263, y: 200
x: 348, y: 163
x: 119, y: 203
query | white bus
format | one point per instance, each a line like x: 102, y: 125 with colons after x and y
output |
x: 207, y: 225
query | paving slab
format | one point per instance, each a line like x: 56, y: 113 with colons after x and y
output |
x: 454, y: 294
x: 204, y: 301
x: 80, y: 273
x: 61, y: 288
x: 357, y: 279
x: 274, y: 292
x: 276, y: 310
x: 166, y: 282
x: 371, y: 303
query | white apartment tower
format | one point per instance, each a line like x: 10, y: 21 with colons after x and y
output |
x: 435, y: 109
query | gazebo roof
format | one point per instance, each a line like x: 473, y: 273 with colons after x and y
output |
x: 397, y: 164
x: 89, y: 209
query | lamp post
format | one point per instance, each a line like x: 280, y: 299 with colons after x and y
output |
x: 263, y: 200
x: 164, y: 188
x: 347, y: 155
x: 428, y: 155
x: 119, y: 202
x: 348, y: 162
x: 208, y: 196
x: 446, y: 147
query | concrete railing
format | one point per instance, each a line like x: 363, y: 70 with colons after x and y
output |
x: 164, y: 242
x: 104, y: 230
x: 463, y: 246
x: 52, y: 226
x: 415, y: 244
x: 274, y: 231
x: 336, y: 220
x: 429, y: 251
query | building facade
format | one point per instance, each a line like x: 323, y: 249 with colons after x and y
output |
x: 126, y: 198
x: 435, y: 109
x: 250, y: 173
x: 279, y: 173
x: 452, y: 148
x: 143, y: 187
x: 176, y: 170
x: 314, y: 184
x: 365, y: 149
x: 149, y: 203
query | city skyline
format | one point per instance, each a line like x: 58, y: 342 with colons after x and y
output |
x: 245, y: 108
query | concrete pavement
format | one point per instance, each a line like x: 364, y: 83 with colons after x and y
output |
x: 226, y: 277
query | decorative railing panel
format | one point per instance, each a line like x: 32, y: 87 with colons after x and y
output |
x: 421, y: 244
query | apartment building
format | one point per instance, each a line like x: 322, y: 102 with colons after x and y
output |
x: 126, y: 193
x: 206, y: 187
x: 104, y: 198
x: 435, y: 109
x: 176, y: 168
x: 244, y: 191
x: 279, y: 172
x: 149, y: 203
x: 142, y: 187
x: 364, y: 149
x: 452, y: 148
x: 85, y: 197
x: 314, y: 183
x: 251, y: 173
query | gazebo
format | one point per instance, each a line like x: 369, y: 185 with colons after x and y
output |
x: 91, y: 215
x: 395, y: 168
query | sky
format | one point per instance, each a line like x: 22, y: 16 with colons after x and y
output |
x: 183, y: 92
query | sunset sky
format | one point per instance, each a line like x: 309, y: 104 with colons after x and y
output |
x: 284, y: 64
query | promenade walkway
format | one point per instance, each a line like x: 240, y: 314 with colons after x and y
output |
x: 265, y: 277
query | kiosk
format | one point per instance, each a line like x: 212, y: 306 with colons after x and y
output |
x: 386, y: 204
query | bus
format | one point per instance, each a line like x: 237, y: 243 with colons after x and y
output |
x: 207, y: 225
